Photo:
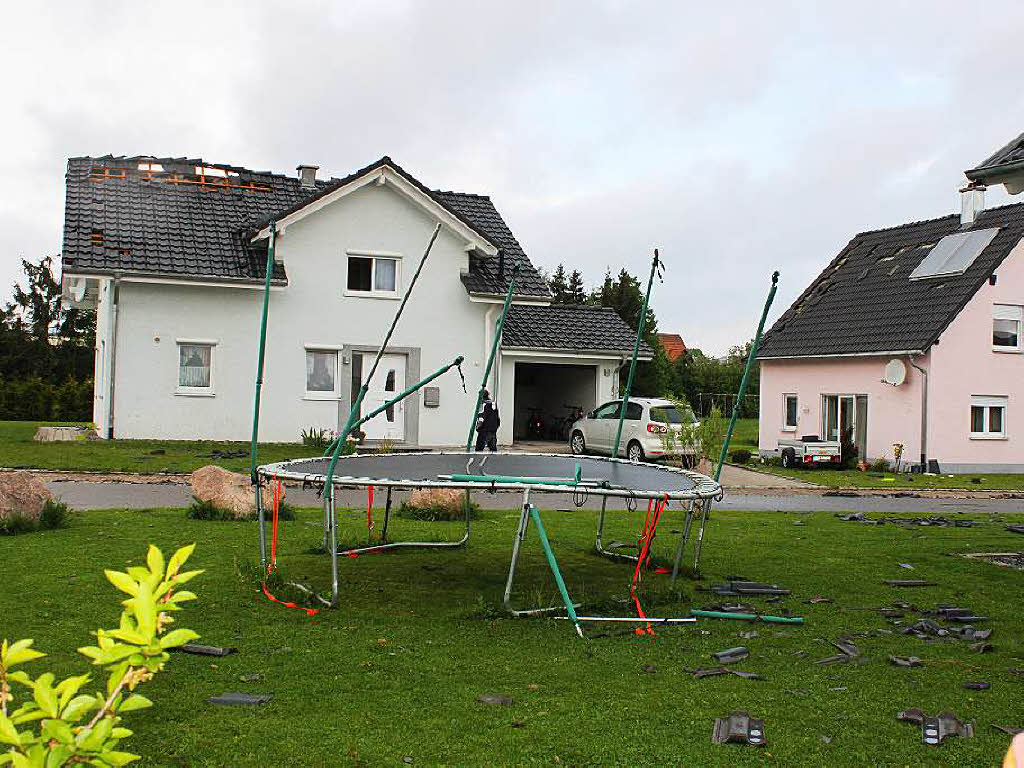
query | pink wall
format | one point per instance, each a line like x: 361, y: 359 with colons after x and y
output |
x: 894, y: 413
x: 964, y: 364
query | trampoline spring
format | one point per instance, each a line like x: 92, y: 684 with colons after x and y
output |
x: 580, y: 496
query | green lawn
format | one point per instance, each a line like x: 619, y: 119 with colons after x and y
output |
x: 18, y: 450
x: 744, y: 436
x: 834, y: 478
x: 396, y: 671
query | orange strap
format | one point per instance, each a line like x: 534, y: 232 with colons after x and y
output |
x: 654, y: 511
x: 369, y: 511
x: 272, y: 565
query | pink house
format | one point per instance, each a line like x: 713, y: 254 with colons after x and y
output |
x: 912, y: 335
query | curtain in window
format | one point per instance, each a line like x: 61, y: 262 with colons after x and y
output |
x: 194, y: 365
x: 320, y: 370
x: 384, y: 274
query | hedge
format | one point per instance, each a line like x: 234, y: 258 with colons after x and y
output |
x: 38, y: 400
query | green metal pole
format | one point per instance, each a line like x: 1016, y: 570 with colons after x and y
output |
x: 353, y: 414
x: 414, y: 388
x: 747, y: 617
x: 746, y: 375
x: 253, y: 450
x: 636, y: 351
x: 498, y: 328
x: 553, y: 563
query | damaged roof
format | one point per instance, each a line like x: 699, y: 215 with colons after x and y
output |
x: 865, y: 302
x: 574, y: 327
x: 162, y: 216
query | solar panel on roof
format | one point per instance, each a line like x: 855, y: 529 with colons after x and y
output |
x: 953, y: 254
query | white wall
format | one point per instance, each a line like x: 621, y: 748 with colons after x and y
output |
x: 439, y: 319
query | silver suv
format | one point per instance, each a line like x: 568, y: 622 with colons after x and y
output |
x: 647, y: 421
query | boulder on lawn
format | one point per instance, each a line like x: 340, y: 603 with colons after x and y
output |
x: 61, y: 434
x: 22, y: 494
x: 445, y: 500
x: 229, y: 491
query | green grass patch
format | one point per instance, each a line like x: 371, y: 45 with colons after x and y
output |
x: 421, y: 634
x: 852, y: 478
x: 55, y: 514
x: 19, y: 451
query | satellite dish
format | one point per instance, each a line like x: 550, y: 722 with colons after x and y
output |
x: 895, y: 372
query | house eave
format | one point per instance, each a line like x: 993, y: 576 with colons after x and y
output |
x: 170, y: 279
x: 605, y: 354
x: 884, y: 353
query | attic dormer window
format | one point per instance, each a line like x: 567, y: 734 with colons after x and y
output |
x: 373, y: 274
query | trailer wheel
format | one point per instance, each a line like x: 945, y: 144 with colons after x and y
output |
x: 788, y: 458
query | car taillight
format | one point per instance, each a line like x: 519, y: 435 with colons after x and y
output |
x: 658, y: 429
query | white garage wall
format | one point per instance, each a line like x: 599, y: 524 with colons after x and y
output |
x: 439, y: 320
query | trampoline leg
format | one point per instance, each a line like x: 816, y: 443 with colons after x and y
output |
x: 517, y: 543
x: 327, y: 524
x: 600, y: 531
x: 387, y: 515
x: 553, y: 564
x: 682, y: 542
x: 263, y: 527
x: 332, y: 520
x: 706, y: 512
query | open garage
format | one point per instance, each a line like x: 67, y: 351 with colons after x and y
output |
x: 548, y: 395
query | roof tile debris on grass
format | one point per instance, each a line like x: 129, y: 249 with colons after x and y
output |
x: 864, y: 301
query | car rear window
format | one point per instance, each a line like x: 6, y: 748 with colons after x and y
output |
x: 669, y: 414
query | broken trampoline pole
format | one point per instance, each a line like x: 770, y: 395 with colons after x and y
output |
x: 736, y: 412
x: 253, y: 447
x: 495, y: 343
x: 409, y: 391
x: 656, y: 268
x: 747, y: 617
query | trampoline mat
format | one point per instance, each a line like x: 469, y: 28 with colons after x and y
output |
x: 413, y: 468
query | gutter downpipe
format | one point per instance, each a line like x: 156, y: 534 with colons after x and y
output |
x: 112, y: 368
x: 924, y: 413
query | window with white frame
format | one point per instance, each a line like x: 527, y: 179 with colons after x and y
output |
x: 1006, y: 328
x: 373, y: 274
x: 195, y: 367
x: 988, y: 417
x: 322, y: 373
x: 789, y: 412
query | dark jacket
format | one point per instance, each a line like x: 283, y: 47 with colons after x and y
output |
x: 488, y: 419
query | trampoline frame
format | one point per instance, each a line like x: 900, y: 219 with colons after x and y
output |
x: 702, y: 495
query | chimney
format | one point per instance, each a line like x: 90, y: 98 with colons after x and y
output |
x: 972, y: 202
x: 307, y: 175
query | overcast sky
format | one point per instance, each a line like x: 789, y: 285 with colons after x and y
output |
x: 738, y: 138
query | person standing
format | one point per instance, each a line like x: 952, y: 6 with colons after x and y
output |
x: 487, y: 423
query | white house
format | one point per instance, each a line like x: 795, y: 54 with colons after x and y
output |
x: 171, y: 253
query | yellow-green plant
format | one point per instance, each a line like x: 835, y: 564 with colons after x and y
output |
x: 60, y: 726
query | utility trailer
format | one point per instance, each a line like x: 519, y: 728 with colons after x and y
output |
x: 810, y: 451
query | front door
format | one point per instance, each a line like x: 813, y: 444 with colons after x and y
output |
x: 387, y: 382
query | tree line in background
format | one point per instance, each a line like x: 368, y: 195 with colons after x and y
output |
x: 702, y: 380
x: 46, y: 351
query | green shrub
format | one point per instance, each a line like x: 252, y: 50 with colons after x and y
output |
x: 55, y: 514
x: 881, y: 465
x: 34, y: 399
x: 207, y: 510
x: 741, y: 456
x: 436, y: 504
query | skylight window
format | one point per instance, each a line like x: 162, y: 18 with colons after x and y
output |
x: 953, y: 254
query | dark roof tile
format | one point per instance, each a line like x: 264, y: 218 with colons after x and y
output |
x: 859, y: 305
x: 576, y: 327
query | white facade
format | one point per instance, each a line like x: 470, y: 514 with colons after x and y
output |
x: 139, y: 339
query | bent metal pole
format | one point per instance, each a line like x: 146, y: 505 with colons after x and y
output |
x: 641, y: 322
x: 357, y: 404
x: 498, y: 328
x: 253, y: 457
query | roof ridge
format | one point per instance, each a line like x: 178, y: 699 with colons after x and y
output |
x: 934, y: 220
x: 184, y: 160
x: 461, y: 194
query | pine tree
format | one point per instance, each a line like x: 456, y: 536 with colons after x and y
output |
x: 575, y: 290
x: 558, y: 285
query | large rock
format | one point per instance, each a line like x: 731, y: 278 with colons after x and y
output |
x: 230, y: 491
x: 22, y: 494
x: 60, y: 434
x: 447, y: 499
